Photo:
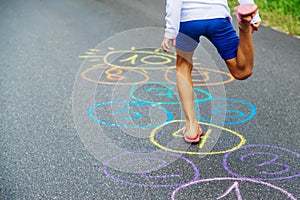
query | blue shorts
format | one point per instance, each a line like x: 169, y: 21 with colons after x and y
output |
x: 218, y: 31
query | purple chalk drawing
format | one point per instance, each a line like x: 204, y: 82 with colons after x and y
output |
x: 234, y: 186
x: 144, y: 175
x: 286, y: 171
x: 270, y: 162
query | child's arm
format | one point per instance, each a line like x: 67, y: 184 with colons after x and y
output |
x: 172, y: 18
x: 173, y: 10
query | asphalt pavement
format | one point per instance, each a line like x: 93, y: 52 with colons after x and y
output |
x: 90, y: 110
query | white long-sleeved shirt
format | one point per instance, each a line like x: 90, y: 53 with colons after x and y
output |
x: 186, y: 10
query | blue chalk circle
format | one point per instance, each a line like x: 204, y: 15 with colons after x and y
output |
x: 163, y: 93
x: 127, y: 114
x: 234, y: 111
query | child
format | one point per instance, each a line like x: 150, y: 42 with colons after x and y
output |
x: 186, y: 21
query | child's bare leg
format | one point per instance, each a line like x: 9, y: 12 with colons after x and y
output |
x: 241, y: 67
x: 184, y: 83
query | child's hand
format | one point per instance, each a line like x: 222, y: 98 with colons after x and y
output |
x: 165, y: 44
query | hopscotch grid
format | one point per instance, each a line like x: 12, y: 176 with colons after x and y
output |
x: 92, y: 55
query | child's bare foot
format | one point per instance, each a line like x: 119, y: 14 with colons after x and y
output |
x: 245, y: 13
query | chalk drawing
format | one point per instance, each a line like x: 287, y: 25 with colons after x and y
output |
x: 277, y: 163
x: 166, y: 146
x: 129, y: 158
x: 202, y: 76
x: 235, y: 111
x: 148, y: 59
x: 163, y: 93
x: 127, y: 116
x: 114, y: 76
x: 251, y: 190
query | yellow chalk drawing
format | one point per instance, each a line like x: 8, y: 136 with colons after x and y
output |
x: 167, y: 60
x: 132, y: 59
x: 148, y: 59
x: 203, y: 139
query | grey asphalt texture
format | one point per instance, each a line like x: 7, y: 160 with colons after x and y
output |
x: 48, y: 152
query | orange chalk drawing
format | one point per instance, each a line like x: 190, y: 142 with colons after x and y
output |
x: 202, y: 76
x: 114, y: 76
